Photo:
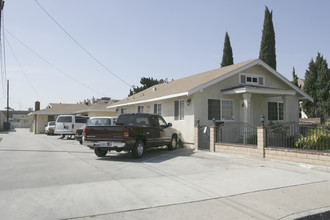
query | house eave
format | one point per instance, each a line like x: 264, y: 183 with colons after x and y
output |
x: 265, y: 91
x: 149, y: 100
x: 94, y: 110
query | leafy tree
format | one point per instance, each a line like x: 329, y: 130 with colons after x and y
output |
x: 146, y: 83
x: 227, y: 56
x: 294, y: 78
x: 317, y: 85
x: 267, y: 51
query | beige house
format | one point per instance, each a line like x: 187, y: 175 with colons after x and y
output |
x: 240, y: 92
x: 53, y: 110
x: 17, y: 119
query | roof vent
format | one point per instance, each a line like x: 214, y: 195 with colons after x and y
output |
x: 154, y: 89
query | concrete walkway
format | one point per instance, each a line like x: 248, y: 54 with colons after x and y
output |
x: 43, y: 177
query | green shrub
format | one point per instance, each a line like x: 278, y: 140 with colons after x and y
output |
x: 315, y: 139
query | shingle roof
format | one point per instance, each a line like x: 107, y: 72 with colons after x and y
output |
x: 181, y: 86
x: 59, y: 108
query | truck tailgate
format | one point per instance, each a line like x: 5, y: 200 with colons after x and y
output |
x: 104, y: 133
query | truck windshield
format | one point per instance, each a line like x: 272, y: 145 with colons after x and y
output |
x: 133, y: 120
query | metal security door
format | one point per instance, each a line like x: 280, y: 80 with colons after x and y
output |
x: 203, y: 137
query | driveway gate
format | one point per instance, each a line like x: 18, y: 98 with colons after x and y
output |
x: 203, y: 137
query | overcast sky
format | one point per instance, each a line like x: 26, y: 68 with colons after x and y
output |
x: 145, y: 38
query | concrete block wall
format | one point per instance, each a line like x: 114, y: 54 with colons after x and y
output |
x: 300, y: 156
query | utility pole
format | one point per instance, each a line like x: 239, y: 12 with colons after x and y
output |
x: 8, y: 103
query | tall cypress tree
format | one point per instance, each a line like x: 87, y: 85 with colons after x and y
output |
x: 294, y: 77
x: 227, y: 56
x: 317, y: 85
x: 267, y: 48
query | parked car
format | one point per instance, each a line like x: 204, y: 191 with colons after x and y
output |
x: 68, y: 124
x: 50, y: 127
x: 94, y: 121
x: 132, y: 132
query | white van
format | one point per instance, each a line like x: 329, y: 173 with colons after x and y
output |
x: 68, y: 124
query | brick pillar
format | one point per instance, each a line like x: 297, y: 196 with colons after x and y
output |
x: 212, y: 138
x: 196, y: 137
x: 262, y: 141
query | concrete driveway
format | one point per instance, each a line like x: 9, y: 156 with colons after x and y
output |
x: 43, y: 177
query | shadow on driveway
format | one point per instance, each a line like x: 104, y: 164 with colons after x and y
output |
x: 152, y: 155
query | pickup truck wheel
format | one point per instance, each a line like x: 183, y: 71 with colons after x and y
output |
x: 100, y: 152
x: 173, y: 144
x: 138, y: 149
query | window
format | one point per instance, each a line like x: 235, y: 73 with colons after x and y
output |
x: 80, y: 119
x: 227, y: 110
x: 140, y: 109
x: 214, y: 109
x: 275, y: 111
x: 64, y: 119
x: 99, y: 122
x: 179, y: 110
x: 51, y: 117
x: 158, y: 109
x: 133, y: 120
x: 251, y: 79
x: 123, y: 110
x: 220, y: 109
x: 161, y: 122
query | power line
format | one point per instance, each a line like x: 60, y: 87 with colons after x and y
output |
x: 52, y: 65
x: 19, y: 64
x: 84, y: 49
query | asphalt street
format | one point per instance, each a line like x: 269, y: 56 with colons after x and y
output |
x: 44, y: 177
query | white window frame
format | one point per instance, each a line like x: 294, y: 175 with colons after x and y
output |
x: 233, y: 109
x: 123, y: 110
x: 277, y: 109
x: 158, y: 109
x: 180, y: 117
x: 221, y: 111
x: 252, y: 76
x: 140, y: 107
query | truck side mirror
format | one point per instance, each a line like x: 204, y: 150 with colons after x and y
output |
x: 169, y: 124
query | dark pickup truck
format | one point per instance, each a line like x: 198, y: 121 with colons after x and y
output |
x: 132, y: 132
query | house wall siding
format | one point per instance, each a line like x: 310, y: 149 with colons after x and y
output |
x: 42, y: 121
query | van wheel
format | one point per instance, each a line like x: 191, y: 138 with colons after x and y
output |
x: 173, y: 144
x: 138, y: 149
x: 100, y: 152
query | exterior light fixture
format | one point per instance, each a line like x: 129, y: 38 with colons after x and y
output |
x: 262, y: 119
